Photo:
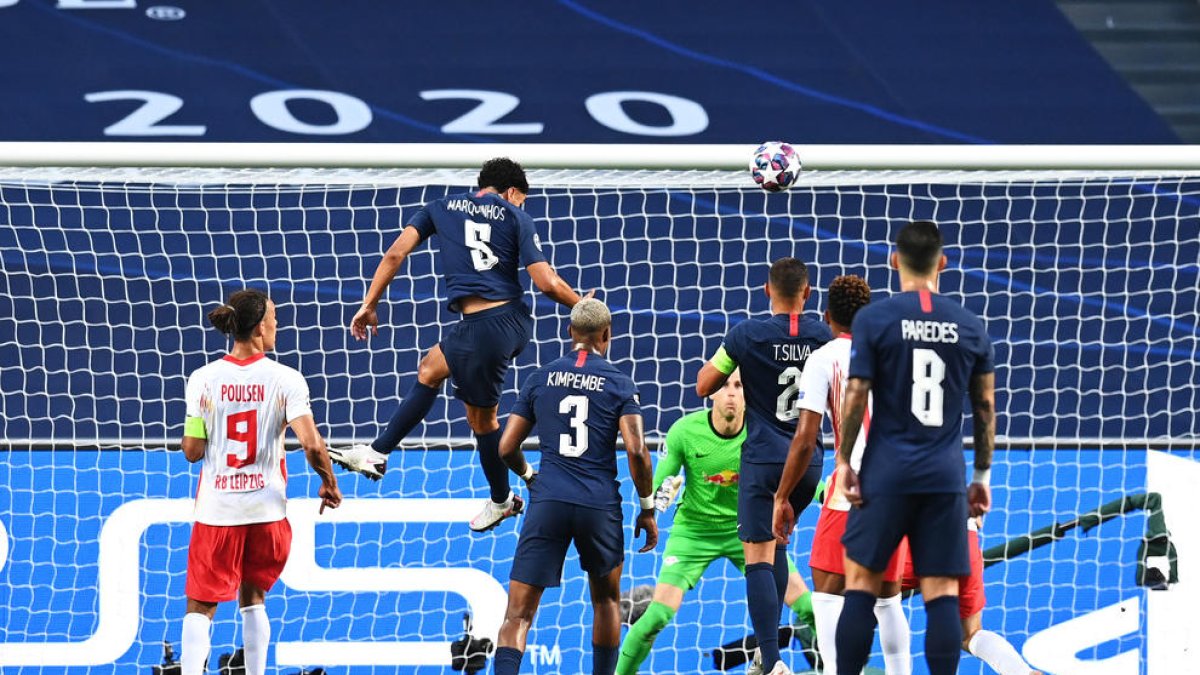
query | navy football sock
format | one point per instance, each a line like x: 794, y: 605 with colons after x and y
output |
x: 943, y: 635
x: 412, y: 410
x: 604, y: 660
x: 493, y: 466
x: 762, y: 600
x: 508, y: 661
x: 855, y: 631
x: 781, y: 573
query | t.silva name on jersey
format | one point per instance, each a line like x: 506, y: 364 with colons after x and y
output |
x: 929, y: 331
x: 792, y: 352
x: 489, y: 211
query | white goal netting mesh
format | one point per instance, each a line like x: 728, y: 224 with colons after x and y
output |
x: 1088, y: 284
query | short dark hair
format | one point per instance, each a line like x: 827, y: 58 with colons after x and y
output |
x: 241, y: 314
x: 502, y: 173
x: 920, y: 246
x: 847, y: 294
x: 788, y: 277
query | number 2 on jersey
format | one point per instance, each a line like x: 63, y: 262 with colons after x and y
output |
x: 249, y: 436
x: 574, y: 445
x: 785, y: 405
x: 479, y: 236
x: 927, y: 395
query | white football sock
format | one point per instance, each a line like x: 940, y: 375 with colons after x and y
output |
x: 196, y: 643
x: 827, y: 608
x: 256, y: 634
x: 894, y: 636
x: 998, y: 653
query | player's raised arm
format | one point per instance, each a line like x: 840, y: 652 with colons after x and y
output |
x: 551, y: 285
x: 386, y: 271
x: 858, y: 391
x: 643, y: 478
x: 305, y: 428
x: 983, y: 411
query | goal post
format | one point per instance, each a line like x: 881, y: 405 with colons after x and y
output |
x: 1082, y: 261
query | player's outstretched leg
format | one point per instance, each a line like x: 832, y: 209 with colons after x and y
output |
x: 502, y: 502
x: 371, y: 460
x: 993, y: 649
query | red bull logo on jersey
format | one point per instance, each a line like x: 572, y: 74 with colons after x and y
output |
x: 724, y: 478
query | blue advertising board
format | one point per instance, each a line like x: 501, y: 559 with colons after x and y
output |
x: 94, y: 551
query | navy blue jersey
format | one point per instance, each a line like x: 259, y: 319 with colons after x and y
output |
x: 771, y: 353
x: 919, y: 350
x: 577, y: 402
x: 483, y: 241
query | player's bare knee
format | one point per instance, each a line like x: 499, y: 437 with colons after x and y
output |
x: 482, y: 420
x: 432, y: 371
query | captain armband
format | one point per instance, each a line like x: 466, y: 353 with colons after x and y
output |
x: 723, y: 362
x: 193, y: 427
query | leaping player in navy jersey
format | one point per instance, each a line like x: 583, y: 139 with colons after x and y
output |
x: 918, y: 354
x: 485, y: 238
x: 771, y: 353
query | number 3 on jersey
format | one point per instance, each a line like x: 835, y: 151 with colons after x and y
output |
x: 927, y: 395
x: 479, y: 236
x: 577, y: 408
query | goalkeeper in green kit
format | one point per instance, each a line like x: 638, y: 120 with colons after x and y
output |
x: 707, y: 445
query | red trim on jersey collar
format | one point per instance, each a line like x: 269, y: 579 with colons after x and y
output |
x: 793, y: 324
x: 926, y: 301
x: 582, y: 358
x: 844, y: 335
x: 244, y: 362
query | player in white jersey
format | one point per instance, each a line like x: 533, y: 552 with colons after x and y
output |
x: 821, y: 386
x: 237, y: 410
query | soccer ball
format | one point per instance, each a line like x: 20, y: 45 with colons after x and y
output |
x: 775, y: 166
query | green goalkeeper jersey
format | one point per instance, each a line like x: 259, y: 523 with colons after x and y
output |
x: 710, y: 464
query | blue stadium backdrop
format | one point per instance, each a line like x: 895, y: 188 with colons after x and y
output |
x: 1091, y: 302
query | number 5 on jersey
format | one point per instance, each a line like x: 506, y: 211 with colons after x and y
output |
x: 479, y: 236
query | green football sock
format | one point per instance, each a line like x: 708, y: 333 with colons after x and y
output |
x: 637, y: 643
x: 803, y: 609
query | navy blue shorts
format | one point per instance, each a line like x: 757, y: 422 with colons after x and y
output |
x: 551, y: 526
x: 935, y: 523
x: 481, y: 346
x: 756, y: 498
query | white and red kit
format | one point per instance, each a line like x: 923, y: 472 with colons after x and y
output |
x: 822, y: 389
x: 241, y: 531
x: 971, y: 598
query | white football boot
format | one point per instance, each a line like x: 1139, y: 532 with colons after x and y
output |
x: 360, y: 458
x: 493, y: 514
x: 780, y: 668
x: 755, y: 667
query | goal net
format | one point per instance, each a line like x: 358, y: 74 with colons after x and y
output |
x: 1087, y: 281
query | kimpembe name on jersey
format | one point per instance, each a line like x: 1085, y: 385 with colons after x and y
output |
x: 489, y: 211
x: 929, y: 331
x: 565, y: 378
